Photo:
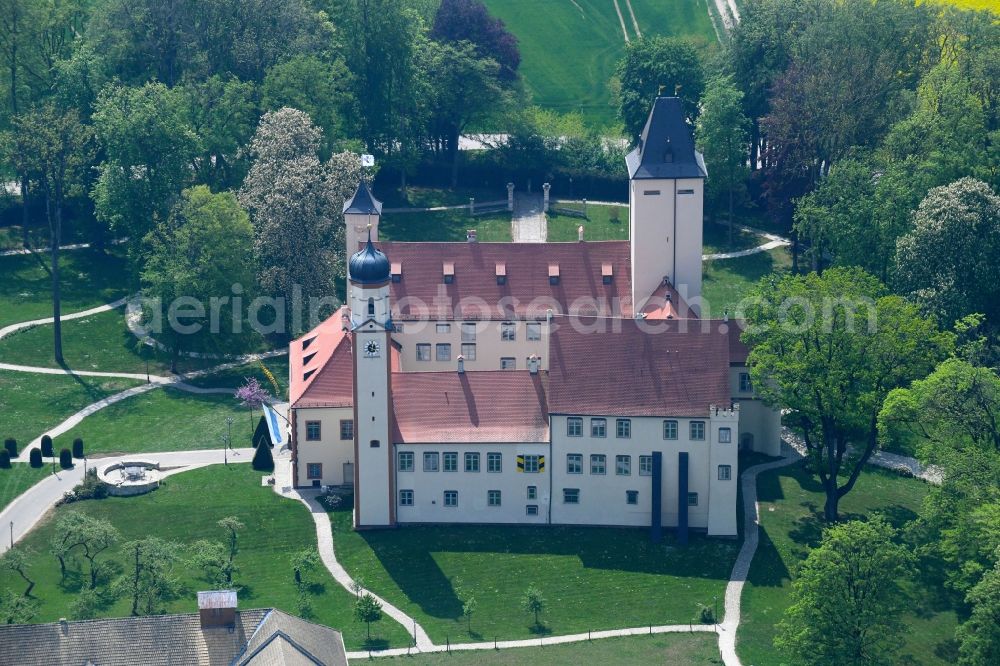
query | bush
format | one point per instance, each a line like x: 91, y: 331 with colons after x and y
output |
x: 4, y: 459
x: 65, y: 459
x: 707, y: 615
x: 47, y: 446
x: 35, y: 458
x: 263, y: 461
x: 90, y: 488
x: 78, y: 448
x: 11, y: 445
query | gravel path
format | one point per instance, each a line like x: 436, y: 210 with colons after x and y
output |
x: 529, y: 224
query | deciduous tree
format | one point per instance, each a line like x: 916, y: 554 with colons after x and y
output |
x: 149, y: 577
x: 470, y: 20
x: 367, y: 609
x: 657, y: 66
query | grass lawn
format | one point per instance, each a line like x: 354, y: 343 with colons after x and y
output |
x: 791, y: 502
x: 591, y: 578
x: 725, y: 282
x: 603, y: 223
x: 17, y: 479
x: 715, y: 238
x: 163, y: 419
x: 235, y: 377
x: 428, y: 197
x: 445, y: 225
x: 185, y: 509
x: 31, y: 404
x: 639, y: 650
x: 89, y: 279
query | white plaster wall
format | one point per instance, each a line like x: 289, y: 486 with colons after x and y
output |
x: 490, y: 348
x: 722, y: 509
x: 371, y: 379
x: 428, y: 487
x: 330, y: 450
x: 756, y: 418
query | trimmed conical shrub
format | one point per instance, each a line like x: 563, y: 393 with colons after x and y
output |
x: 10, y: 444
x: 4, y: 459
x: 263, y: 461
x: 35, y: 458
x: 65, y: 459
x: 78, y: 448
x: 47, y: 446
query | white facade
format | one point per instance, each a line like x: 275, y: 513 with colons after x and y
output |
x: 484, y: 345
x: 330, y: 455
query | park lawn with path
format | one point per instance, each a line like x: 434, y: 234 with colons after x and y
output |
x: 164, y: 419
x: 31, y: 403
x: 445, y: 226
x: 791, y: 505
x: 602, y: 223
x: 185, y: 509
x: 17, y: 479
x: 715, y: 238
x: 88, y: 278
x: 591, y: 578
x: 725, y: 282
x: 686, y: 649
x: 234, y: 377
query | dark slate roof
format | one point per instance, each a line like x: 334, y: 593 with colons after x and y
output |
x: 363, y: 202
x: 666, y: 146
x: 368, y: 265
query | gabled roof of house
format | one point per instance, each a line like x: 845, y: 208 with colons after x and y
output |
x: 286, y: 640
x: 668, y: 367
x: 320, y: 366
x: 666, y: 145
x: 527, y: 290
x: 483, y: 406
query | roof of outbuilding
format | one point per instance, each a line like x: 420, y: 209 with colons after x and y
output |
x: 286, y: 640
x: 363, y: 202
x: 666, y: 145
x: 494, y: 406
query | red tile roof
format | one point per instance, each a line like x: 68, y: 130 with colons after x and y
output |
x: 666, y: 303
x: 321, y: 370
x: 527, y: 292
x: 638, y: 367
x: 483, y: 406
x: 738, y: 350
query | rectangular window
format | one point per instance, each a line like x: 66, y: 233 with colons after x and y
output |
x: 347, y: 429
x: 623, y: 465
x: 670, y: 430
x: 746, y: 386
x: 312, y: 431
x: 725, y: 472
x: 443, y: 328
x: 442, y: 351
x: 406, y: 461
x: 574, y: 463
x: 374, y: 443
x: 532, y: 464
x: 494, y: 463
x: 423, y: 351
x: 598, y: 463
x: 683, y: 192
x: 631, y: 496
x: 725, y: 435
x: 533, y: 331
x: 698, y: 430
x: 598, y: 427
x: 532, y: 492
x: 574, y: 426
x: 471, y: 462
x: 571, y: 495
x: 508, y: 363
x: 314, y: 470
x: 493, y: 497
x: 508, y: 332
x: 469, y: 351
x: 451, y: 498
x: 405, y: 498
x: 623, y: 428
x: 430, y: 462
x: 469, y: 332
x: 531, y: 510
x: 692, y: 499
x: 651, y: 193
x: 645, y: 465
x: 450, y: 462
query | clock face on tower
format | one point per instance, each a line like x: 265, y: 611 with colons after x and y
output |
x: 372, y: 348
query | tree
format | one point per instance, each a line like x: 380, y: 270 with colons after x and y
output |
x: 263, y: 459
x: 980, y: 634
x: 65, y: 458
x: 232, y: 526
x: 200, y: 251
x: 469, y: 606
x: 35, y: 458
x: 222, y: 113
x: 830, y: 348
x: 18, y: 560
x: 965, y: 218
x: 149, y: 577
x: 722, y: 135
x: 533, y: 602
x: 78, y: 530
x: 304, y: 562
x: 78, y: 447
x: 16, y: 608
x: 10, y: 444
x: 847, y: 599
x: 46, y: 445
x: 251, y: 394
x: 211, y: 558
x: 367, y: 609
x: 657, y: 66
x: 54, y: 149
x: 470, y: 21
x: 324, y: 90
x: 295, y: 203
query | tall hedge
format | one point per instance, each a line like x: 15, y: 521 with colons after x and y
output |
x: 35, y: 458
x: 11, y: 445
x: 65, y: 459
x: 4, y: 459
x: 78, y: 448
x: 47, y: 446
x: 263, y: 461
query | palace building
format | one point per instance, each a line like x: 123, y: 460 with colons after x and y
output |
x: 535, y: 383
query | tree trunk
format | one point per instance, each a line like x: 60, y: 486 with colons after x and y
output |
x: 25, y: 217
x: 135, y: 583
x: 730, y: 218
x: 830, y: 482
x: 31, y: 583
x: 754, y: 145
x: 454, y: 157
x: 55, y: 236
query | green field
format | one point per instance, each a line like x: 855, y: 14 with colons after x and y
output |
x: 569, y: 48
x: 185, y: 509
x: 681, y: 649
x: 444, y: 226
x: 602, y: 223
x: 725, y: 282
x: 791, y: 502
x: 993, y: 5
x: 17, y: 479
x: 591, y: 578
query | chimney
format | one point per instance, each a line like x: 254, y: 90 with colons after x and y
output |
x: 533, y: 364
x: 217, y: 608
x: 461, y: 364
x: 579, y: 233
x: 64, y: 626
x: 471, y: 236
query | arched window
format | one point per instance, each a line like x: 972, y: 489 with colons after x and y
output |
x: 371, y: 307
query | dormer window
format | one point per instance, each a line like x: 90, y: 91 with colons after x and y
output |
x: 668, y: 153
x: 501, y: 273
x: 607, y: 273
x: 553, y: 274
x: 448, y: 271
x: 397, y: 272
